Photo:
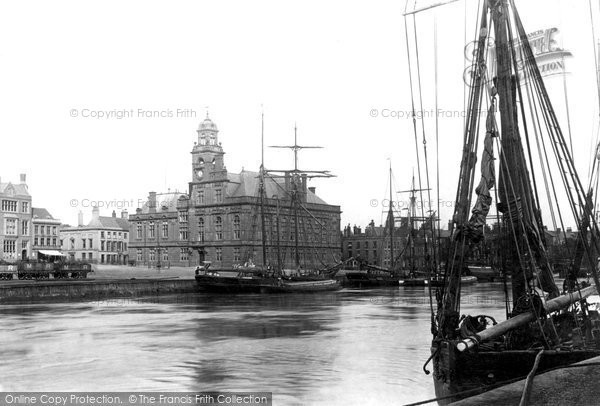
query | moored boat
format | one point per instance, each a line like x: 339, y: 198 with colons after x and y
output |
x: 485, y: 273
x: 544, y: 327
x: 273, y: 278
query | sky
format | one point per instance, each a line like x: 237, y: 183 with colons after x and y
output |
x: 336, y: 69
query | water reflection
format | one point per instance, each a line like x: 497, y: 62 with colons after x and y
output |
x: 343, y: 347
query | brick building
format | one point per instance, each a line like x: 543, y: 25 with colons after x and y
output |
x: 103, y: 240
x: 15, y: 220
x: 158, y: 231
x: 218, y: 219
x: 372, y: 244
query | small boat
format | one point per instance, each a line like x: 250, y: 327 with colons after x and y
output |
x: 307, y: 286
x: 485, y: 273
x: 435, y: 282
x: 373, y: 276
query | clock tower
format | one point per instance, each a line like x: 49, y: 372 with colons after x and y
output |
x: 207, y: 155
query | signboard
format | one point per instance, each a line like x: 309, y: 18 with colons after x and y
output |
x: 545, y: 45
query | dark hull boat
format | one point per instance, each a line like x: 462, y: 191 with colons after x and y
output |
x: 471, y: 364
x: 474, y: 374
x: 281, y: 286
x: 257, y: 281
x: 544, y: 327
x: 371, y: 278
x: 228, y: 282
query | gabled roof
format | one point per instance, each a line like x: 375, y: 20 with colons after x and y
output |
x: 19, y: 189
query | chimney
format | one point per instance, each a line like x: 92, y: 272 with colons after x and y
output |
x: 23, y: 178
x: 312, y: 189
x: 569, y: 230
x: 114, y: 214
x: 303, y: 187
x: 288, y: 187
x: 95, y: 213
x: 125, y: 215
x: 152, y: 202
x: 80, y: 219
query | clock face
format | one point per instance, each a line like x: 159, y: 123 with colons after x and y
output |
x: 199, y: 173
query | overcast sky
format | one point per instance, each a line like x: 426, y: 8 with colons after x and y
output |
x: 326, y: 65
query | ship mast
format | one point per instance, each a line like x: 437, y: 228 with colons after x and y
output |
x: 391, y: 222
x: 295, y: 174
x: 262, y: 190
x: 412, y: 217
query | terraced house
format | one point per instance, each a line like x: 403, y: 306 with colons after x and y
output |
x: 15, y: 220
x: 46, y: 231
x: 103, y: 240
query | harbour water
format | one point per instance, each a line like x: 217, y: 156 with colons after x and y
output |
x: 340, y: 348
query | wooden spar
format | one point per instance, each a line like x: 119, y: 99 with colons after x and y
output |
x: 428, y: 7
x: 524, y: 318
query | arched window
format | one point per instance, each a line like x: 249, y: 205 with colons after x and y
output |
x: 236, y: 227
x: 219, y: 227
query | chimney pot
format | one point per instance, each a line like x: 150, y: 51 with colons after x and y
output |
x: 114, y: 214
x: 125, y: 214
x: 23, y: 178
x: 80, y: 219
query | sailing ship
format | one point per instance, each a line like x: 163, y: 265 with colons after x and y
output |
x: 544, y: 328
x: 373, y: 275
x: 273, y: 277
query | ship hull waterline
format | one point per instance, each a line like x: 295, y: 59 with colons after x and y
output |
x: 477, y: 372
x: 219, y: 284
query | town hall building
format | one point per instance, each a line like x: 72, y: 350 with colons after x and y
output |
x: 219, y: 218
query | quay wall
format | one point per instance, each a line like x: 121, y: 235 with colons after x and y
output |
x: 92, y: 289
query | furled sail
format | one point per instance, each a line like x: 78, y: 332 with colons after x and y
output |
x: 474, y: 229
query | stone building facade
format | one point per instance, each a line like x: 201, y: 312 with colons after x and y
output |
x: 15, y: 220
x: 46, y: 231
x: 103, y: 240
x: 219, y: 218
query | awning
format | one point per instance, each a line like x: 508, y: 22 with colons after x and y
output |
x: 53, y: 253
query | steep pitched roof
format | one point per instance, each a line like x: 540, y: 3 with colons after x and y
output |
x: 41, y: 213
x: 19, y: 189
x: 246, y: 184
